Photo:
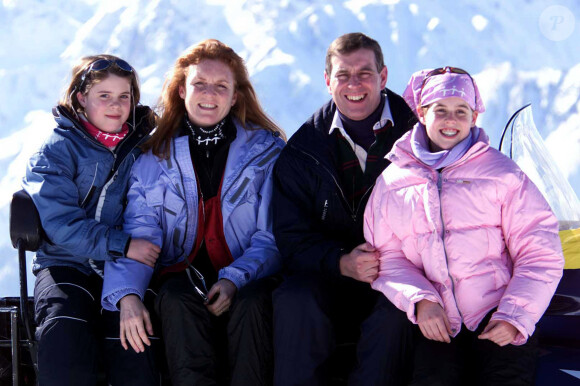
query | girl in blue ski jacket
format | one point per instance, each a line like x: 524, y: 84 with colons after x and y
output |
x: 202, y: 193
x: 78, y: 181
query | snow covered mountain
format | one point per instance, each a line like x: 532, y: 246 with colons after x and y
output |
x: 519, y: 52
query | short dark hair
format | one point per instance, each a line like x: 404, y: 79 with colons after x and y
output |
x: 351, y: 42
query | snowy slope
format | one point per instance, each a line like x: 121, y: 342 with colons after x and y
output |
x: 512, y: 48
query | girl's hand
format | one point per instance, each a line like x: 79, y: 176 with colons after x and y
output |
x: 433, y: 321
x: 143, y: 251
x: 135, y: 323
x: 499, y: 332
x: 225, y: 291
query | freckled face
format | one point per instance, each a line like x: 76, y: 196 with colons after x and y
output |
x: 108, y: 103
x: 355, y: 84
x: 448, y: 122
x: 209, y: 92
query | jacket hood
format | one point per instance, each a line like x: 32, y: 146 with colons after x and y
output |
x: 64, y: 118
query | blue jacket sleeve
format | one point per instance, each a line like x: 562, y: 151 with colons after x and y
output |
x: 126, y: 276
x: 262, y: 258
x: 50, y: 182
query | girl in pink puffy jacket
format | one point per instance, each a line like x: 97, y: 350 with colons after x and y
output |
x: 469, y: 248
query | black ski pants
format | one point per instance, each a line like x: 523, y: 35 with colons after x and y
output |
x: 195, y: 339
x: 468, y: 360
x: 76, y: 338
x: 314, y: 314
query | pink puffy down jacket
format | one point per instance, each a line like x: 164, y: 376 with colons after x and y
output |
x: 476, y: 236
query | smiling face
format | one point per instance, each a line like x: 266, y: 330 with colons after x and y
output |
x: 355, y: 84
x: 209, y: 92
x: 107, y: 104
x: 448, y: 122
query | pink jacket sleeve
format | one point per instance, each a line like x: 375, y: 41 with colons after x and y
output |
x: 401, y: 281
x: 531, y: 234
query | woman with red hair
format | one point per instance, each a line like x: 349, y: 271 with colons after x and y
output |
x: 202, y: 192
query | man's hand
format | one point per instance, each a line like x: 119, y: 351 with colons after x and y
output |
x: 143, y: 251
x: 433, y: 321
x: 225, y: 291
x: 499, y: 332
x: 135, y: 323
x: 362, y: 263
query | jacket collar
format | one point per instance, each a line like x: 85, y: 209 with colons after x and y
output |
x: 247, y: 145
x: 402, y: 153
x: 314, y: 139
x: 386, y: 116
x: 67, y: 121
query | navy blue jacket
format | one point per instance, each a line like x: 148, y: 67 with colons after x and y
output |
x: 313, y: 223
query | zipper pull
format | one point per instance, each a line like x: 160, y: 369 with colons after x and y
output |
x: 324, y: 210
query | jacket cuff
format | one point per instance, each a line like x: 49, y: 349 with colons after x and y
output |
x: 123, y: 278
x: 331, y: 262
x: 127, y: 247
x: 110, y: 302
x: 117, y: 244
x: 236, y: 276
x: 410, y: 306
x: 522, y: 335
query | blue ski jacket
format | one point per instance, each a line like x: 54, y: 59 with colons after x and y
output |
x: 79, y: 186
x: 163, y: 208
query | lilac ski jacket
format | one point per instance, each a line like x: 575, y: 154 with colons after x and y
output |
x: 163, y: 208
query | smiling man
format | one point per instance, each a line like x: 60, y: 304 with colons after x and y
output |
x: 323, y: 179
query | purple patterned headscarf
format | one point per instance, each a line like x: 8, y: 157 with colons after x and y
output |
x: 423, y: 90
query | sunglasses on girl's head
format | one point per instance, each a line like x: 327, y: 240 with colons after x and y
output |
x: 443, y: 70
x: 103, y: 64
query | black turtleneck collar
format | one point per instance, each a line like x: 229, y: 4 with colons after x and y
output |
x: 209, y: 157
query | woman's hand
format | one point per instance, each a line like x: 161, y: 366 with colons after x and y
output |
x: 433, y: 321
x: 143, y: 251
x: 135, y: 323
x: 499, y: 332
x: 225, y: 291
